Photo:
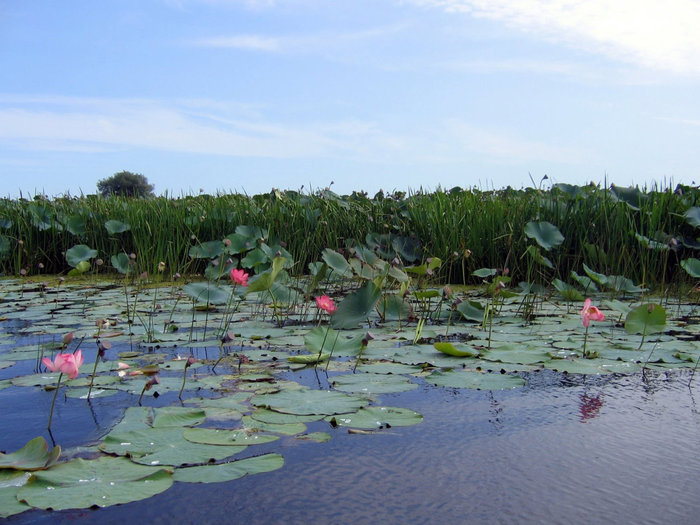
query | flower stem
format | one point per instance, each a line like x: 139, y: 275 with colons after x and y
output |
x: 53, y: 402
x: 184, y: 378
x: 585, y: 340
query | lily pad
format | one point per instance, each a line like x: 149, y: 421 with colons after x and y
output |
x: 224, y: 436
x: 475, y: 380
x: 459, y: 350
x: 112, y: 481
x: 10, y: 483
x: 286, y: 429
x: 375, y: 417
x: 369, y: 383
x: 164, y: 446
x: 35, y: 455
x: 231, y: 470
x: 309, y: 402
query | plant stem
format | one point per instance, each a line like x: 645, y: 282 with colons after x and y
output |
x: 53, y: 402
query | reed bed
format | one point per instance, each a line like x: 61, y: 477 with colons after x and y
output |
x: 642, y: 235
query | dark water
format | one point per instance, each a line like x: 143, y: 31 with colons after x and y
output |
x: 565, y: 449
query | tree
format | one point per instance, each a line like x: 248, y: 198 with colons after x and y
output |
x: 126, y: 184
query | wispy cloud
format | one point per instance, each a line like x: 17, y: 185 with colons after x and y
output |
x: 647, y: 33
x: 316, y: 42
x: 48, y: 123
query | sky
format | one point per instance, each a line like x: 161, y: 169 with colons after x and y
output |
x: 357, y: 95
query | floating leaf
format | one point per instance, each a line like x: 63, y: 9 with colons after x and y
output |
x: 164, y: 446
x: 309, y: 402
x: 225, y: 436
x: 10, y: 483
x: 35, y: 455
x: 178, y: 417
x: 112, y: 481
x: 375, y: 417
x: 475, y: 380
x: 369, y: 383
x: 460, y: 350
x: 229, y: 471
x: 308, y: 359
x: 286, y: 429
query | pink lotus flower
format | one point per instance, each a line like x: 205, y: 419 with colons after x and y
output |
x: 590, y: 313
x: 68, y: 364
x: 239, y: 277
x: 326, y: 303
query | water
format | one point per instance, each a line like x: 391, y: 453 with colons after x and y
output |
x: 565, y: 449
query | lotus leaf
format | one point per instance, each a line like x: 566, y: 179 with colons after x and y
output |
x: 10, y: 483
x: 306, y: 402
x: 35, y: 455
x: 459, y: 350
x: 286, y: 429
x: 224, y: 436
x: 546, y: 234
x: 229, y: 471
x: 112, y: 481
x: 377, y: 417
x: 356, y: 307
x: 369, y: 383
x: 646, y: 319
x: 475, y: 380
x: 112, y: 226
x: 79, y: 253
x: 164, y: 446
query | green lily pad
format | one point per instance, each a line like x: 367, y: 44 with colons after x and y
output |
x: 10, y: 483
x: 475, y: 380
x: 377, y: 417
x: 369, y: 383
x: 229, y: 471
x: 279, y: 418
x: 286, y: 429
x: 309, y: 402
x: 308, y: 359
x: 225, y: 436
x: 178, y: 417
x: 456, y: 350
x: 164, y: 446
x: 112, y: 481
x: 35, y: 455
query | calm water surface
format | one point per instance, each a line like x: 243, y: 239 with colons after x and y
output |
x: 565, y: 449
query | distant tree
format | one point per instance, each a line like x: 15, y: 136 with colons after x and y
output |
x: 126, y: 184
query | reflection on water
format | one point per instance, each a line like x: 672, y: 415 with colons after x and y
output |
x: 564, y: 449
x: 589, y: 406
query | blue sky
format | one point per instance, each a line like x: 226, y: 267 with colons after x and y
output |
x: 249, y: 95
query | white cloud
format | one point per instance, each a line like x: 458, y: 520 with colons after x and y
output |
x: 89, y: 125
x: 648, y: 33
x: 252, y: 42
